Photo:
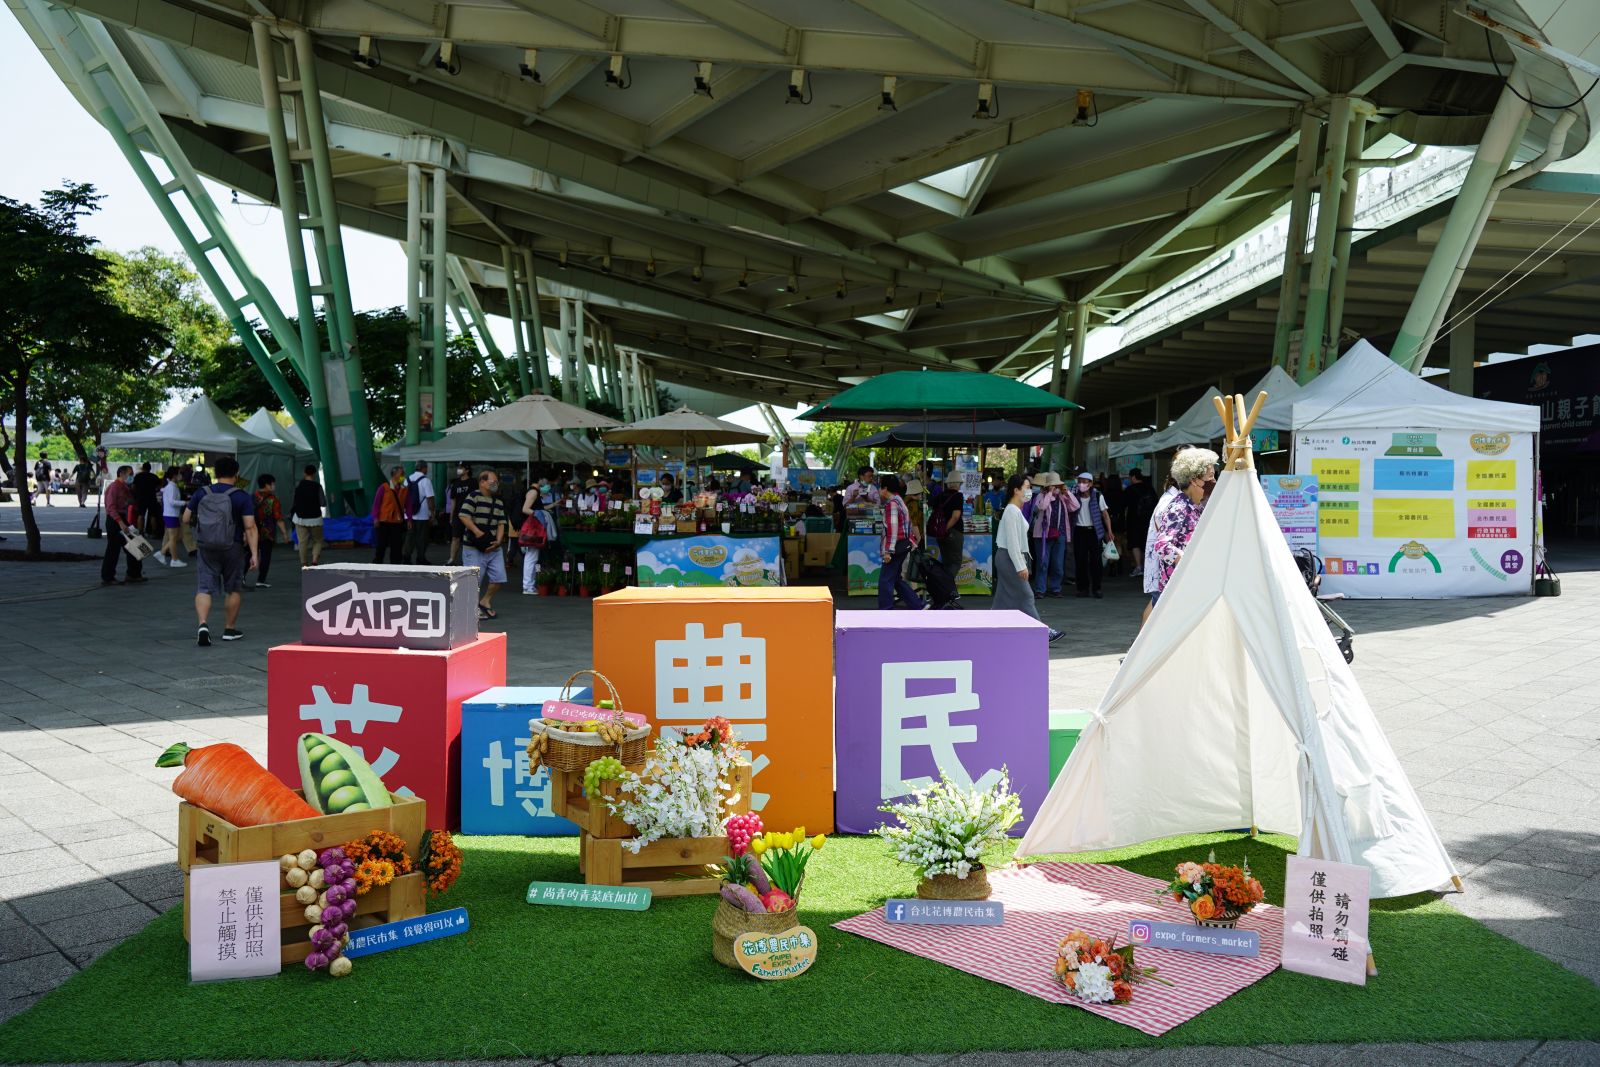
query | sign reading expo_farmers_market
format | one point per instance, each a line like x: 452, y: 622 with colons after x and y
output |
x: 573, y: 895
x: 776, y: 956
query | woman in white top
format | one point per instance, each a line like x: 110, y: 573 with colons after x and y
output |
x: 171, y: 510
x: 1011, y: 562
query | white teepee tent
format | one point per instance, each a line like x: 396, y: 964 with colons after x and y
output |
x: 1235, y: 708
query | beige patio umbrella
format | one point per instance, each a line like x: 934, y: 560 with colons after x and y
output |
x: 684, y: 428
x: 534, y: 414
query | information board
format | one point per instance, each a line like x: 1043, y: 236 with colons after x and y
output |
x: 1422, y: 513
x: 233, y: 918
x: 1293, y: 499
x: 1325, y: 919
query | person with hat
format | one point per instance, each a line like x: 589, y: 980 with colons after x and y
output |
x: 1049, y: 517
x: 913, y: 497
x: 944, y: 521
x: 1091, y: 528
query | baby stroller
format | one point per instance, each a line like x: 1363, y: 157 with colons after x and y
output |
x: 1310, y: 565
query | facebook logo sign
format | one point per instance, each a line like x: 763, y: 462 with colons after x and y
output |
x: 944, y: 912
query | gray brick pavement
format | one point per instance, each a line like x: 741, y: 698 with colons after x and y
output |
x: 1493, y: 705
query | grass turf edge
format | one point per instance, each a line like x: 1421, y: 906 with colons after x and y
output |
x: 532, y: 981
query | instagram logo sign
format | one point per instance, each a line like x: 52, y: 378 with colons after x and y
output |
x: 1139, y: 933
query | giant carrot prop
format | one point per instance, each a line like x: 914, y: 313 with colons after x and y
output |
x: 226, y: 781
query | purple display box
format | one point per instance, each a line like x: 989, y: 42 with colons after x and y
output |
x: 918, y: 691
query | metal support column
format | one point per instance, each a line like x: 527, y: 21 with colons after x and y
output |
x: 580, y: 357
x: 1305, y: 165
x: 438, y: 290
x: 510, y: 260
x: 413, y: 303
x: 1058, y: 354
x: 1345, y: 231
x: 538, y: 349
x: 1463, y: 353
x: 427, y: 283
x: 564, y: 337
x: 289, y: 212
x: 1072, y: 426
x: 1499, y: 141
x: 1330, y: 185
x: 471, y: 322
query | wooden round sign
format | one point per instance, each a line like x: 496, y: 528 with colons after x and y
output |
x: 776, y: 956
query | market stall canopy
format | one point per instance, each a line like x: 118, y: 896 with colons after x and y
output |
x: 200, y: 427
x: 684, y: 428
x: 910, y: 394
x: 262, y: 424
x: 1365, y: 389
x: 1198, y: 424
x: 1276, y: 735
x: 1282, y: 391
x: 988, y: 432
x: 535, y: 413
x: 733, y: 461
x: 486, y: 446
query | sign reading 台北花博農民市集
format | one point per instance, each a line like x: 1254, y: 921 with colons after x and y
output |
x: 1187, y: 937
x: 371, y: 606
x: 574, y: 895
x: 382, y: 938
x: 944, y: 912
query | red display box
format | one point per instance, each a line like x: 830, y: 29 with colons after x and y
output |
x: 401, y: 709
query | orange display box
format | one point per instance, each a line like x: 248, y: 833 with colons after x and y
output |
x: 760, y: 657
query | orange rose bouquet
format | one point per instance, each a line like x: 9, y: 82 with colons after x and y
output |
x: 1097, y: 971
x: 1216, y: 895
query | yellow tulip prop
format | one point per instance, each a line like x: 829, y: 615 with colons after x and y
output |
x: 758, y: 846
x: 816, y: 842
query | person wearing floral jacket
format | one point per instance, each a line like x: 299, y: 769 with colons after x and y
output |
x: 1194, y: 472
x: 899, y: 537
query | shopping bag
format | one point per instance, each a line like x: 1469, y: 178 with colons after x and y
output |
x: 1109, y: 553
x: 137, y: 546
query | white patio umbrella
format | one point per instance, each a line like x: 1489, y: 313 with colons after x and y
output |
x: 534, y: 414
x: 684, y: 428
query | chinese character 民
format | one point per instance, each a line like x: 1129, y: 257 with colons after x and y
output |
x: 937, y: 733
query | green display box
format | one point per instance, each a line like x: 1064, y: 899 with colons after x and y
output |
x: 1065, y: 726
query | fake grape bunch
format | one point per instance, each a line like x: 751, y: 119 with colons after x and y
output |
x: 325, y: 883
x: 606, y: 768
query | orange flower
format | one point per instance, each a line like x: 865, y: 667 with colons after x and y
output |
x: 1203, y: 907
x: 1114, y: 965
x: 1070, y: 979
x: 1122, y: 991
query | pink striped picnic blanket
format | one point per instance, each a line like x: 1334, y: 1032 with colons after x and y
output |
x: 1045, y: 900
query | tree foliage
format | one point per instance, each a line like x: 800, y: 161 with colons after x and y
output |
x: 826, y: 438
x: 109, y: 393
x: 60, y: 317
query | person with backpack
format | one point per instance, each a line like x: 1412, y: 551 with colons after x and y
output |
x: 224, y: 520
x: 419, y: 518
x: 537, y: 531
x: 41, y: 479
x: 944, y: 529
x: 389, y: 517
x: 269, y: 523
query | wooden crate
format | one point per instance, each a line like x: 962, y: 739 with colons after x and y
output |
x: 671, y: 867
x: 207, y: 838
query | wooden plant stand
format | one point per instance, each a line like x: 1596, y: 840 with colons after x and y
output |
x: 671, y: 867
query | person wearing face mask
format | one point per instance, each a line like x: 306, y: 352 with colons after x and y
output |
x: 120, y: 511
x: 389, y: 517
x: 1194, y: 472
x: 483, y: 515
x: 1011, y: 563
x: 538, y: 530
x: 862, y: 490
x: 1048, y: 518
x: 459, y: 490
x: 1091, y: 528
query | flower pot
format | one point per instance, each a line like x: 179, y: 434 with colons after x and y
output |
x: 975, y: 886
x: 561, y: 590
x: 1224, y: 919
x: 728, y: 922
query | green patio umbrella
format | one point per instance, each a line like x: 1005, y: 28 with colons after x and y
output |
x: 912, y: 394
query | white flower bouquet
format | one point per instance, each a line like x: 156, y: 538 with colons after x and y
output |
x: 682, y: 791
x: 944, y: 829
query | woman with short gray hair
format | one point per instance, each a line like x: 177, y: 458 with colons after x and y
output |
x: 1194, y: 472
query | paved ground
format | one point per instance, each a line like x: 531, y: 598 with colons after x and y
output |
x: 1493, y: 705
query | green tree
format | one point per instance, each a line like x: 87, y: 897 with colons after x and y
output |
x: 107, y: 394
x: 827, y: 438
x: 229, y: 377
x: 59, y: 312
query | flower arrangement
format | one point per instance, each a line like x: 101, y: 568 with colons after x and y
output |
x: 1097, y: 972
x: 441, y: 861
x: 766, y: 870
x: 1216, y: 895
x: 379, y: 858
x: 682, y: 790
x: 944, y: 829
x: 771, y: 499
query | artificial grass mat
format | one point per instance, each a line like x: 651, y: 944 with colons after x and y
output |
x: 535, y: 980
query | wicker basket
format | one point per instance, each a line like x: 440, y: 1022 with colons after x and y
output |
x: 975, y: 886
x: 1224, y: 919
x: 573, y: 750
x: 729, y: 922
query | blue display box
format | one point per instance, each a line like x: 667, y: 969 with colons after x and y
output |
x: 498, y: 796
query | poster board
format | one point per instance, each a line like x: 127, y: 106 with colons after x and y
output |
x: 1293, y: 499
x: 1420, y: 512
x: 710, y: 560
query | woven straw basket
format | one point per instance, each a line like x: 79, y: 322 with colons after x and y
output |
x: 729, y: 922
x: 975, y: 886
x: 573, y: 750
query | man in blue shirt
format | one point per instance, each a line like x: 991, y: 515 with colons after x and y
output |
x: 223, y: 516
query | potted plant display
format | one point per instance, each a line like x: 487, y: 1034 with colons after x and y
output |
x: 944, y: 830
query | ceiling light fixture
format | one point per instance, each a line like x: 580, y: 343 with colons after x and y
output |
x: 744, y: 280
x: 987, y: 108
x: 888, y: 295
x: 698, y: 272
x: 886, y: 96
x: 794, y: 284
x: 365, y: 54
x: 529, y: 67
x: 446, y: 59
x: 1085, y: 103
x: 799, y: 88
x: 650, y: 268
x: 702, y: 79
x: 618, y: 73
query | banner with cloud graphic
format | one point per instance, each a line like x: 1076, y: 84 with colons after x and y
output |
x: 710, y: 560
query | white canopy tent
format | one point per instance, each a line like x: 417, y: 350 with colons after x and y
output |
x: 1197, y: 424
x: 1366, y: 390
x: 1282, y: 391
x: 487, y: 446
x: 1235, y: 708
x: 286, y: 469
x: 204, y: 427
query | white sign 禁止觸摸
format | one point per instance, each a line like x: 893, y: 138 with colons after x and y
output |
x: 1325, y: 919
x: 234, y: 920
x: 1293, y: 499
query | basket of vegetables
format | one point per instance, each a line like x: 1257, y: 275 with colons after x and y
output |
x: 567, y: 745
x: 761, y: 883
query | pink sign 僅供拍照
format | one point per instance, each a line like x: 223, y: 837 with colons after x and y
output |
x: 566, y: 711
